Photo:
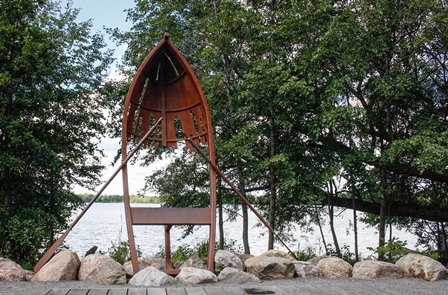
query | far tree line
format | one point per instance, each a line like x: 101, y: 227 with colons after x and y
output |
x: 119, y: 199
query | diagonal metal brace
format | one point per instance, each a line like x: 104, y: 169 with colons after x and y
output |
x: 245, y: 201
x: 44, y: 259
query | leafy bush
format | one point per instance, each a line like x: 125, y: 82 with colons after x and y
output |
x: 185, y: 251
x: 306, y: 254
x: 392, y: 251
x: 121, y: 252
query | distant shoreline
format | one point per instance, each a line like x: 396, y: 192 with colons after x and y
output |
x: 119, y: 199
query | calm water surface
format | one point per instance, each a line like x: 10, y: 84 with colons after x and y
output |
x: 104, y: 224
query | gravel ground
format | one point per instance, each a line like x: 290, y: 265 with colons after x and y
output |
x: 387, y: 285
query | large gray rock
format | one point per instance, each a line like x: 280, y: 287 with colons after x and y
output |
x: 178, y: 264
x: 151, y: 276
x: 420, y: 266
x: 270, y: 268
x: 334, y: 267
x: 306, y: 270
x: 101, y: 269
x: 235, y: 276
x: 317, y: 259
x: 244, y: 257
x: 373, y: 269
x: 142, y: 264
x: 191, y: 275
x: 62, y: 267
x: 158, y: 263
x: 225, y: 259
x: 195, y: 262
x: 11, y: 271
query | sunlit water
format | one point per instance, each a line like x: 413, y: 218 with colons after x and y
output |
x: 104, y: 224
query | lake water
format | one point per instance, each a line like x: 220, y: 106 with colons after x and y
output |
x: 105, y: 223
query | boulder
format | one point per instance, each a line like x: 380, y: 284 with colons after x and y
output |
x: 373, y: 269
x: 420, y: 266
x: 101, y: 269
x: 306, y: 270
x: 130, y: 270
x: 178, y: 264
x: 28, y: 275
x: 151, y: 276
x: 191, y: 275
x: 158, y: 263
x: 244, y: 257
x: 195, y: 262
x: 91, y: 251
x: 11, y: 271
x: 315, y: 260
x: 62, y: 267
x: 225, y: 259
x: 334, y: 267
x: 269, y: 268
x: 235, y: 276
x: 278, y: 253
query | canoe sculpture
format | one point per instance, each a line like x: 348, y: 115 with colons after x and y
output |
x: 165, y: 104
x: 165, y: 89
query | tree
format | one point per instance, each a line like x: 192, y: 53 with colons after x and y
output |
x: 50, y: 69
x: 338, y: 103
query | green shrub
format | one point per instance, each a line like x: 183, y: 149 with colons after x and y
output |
x: 392, y: 251
x: 306, y: 254
x: 121, y: 252
x: 185, y: 251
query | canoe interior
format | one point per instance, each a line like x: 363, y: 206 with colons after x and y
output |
x: 166, y: 87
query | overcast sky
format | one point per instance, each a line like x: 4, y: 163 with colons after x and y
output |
x: 110, y: 14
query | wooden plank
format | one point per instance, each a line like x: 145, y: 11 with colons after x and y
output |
x: 58, y: 292
x: 138, y: 291
x: 195, y: 291
x: 233, y: 290
x: 175, y: 291
x: 98, y: 292
x: 78, y: 292
x: 117, y: 292
x: 297, y: 289
x: 330, y: 289
x: 255, y: 290
x: 360, y: 288
x: 214, y: 291
x: 155, y: 291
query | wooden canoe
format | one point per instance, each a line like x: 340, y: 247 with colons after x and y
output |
x: 165, y: 87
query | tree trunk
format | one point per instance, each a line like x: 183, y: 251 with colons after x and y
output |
x: 272, y: 187
x: 382, y: 226
x: 245, y: 214
x: 355, y: 229
x: 220, y: 215
x: 383, y: 212
x: 320, y: 228
x: 331, y: 216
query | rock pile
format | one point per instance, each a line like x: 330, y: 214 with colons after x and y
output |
x: 229, y: 268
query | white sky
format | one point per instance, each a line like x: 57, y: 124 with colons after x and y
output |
x: 110, y: 14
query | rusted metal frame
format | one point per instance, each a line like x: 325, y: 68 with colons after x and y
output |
x: 245, y: 201
x: 44, y: 259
